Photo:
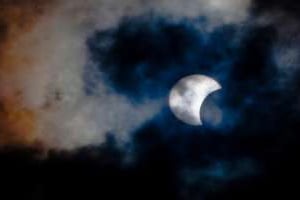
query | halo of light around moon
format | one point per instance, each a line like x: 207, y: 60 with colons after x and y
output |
x: 188, y: 95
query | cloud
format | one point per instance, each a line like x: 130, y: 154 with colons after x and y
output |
x: 107, y: 13
x: 85, y: 69
x: 198, y: 182
x: 54, y: 88
x: 221, y: 171
x: 51, y: 58
x: 56, y: 56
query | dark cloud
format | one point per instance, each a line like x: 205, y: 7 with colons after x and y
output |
x: 145, y: 56
x: 289, y: 7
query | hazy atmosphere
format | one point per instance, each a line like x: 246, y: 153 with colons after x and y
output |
x: 84, y: 99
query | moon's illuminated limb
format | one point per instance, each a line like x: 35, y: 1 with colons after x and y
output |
x: 187, y: 96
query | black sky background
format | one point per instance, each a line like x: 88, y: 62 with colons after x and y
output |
x: 253, y: 154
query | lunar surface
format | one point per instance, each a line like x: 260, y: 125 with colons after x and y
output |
x: 188, y: 95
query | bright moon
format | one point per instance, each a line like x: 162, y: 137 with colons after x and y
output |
x: 187, y: 96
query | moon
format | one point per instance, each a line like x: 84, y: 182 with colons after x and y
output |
x: 188, y: 95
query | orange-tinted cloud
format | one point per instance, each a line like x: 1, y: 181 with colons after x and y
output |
x: 17, y: 123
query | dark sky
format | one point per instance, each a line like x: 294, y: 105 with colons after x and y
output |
x: 251, y: 154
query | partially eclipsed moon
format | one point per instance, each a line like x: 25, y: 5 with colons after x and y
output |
x: 187, y: 96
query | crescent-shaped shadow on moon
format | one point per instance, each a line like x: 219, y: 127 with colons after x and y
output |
x: 188, y: 95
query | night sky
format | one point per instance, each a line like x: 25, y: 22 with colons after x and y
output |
x: 84, y: 89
